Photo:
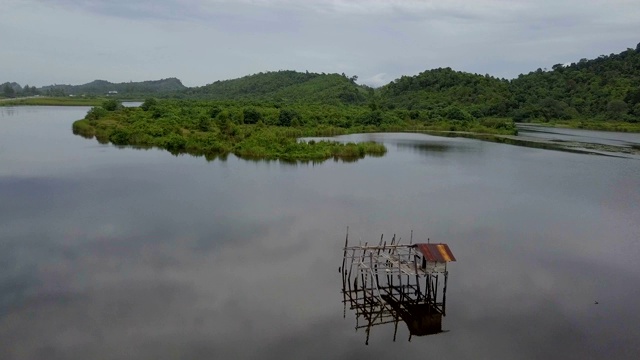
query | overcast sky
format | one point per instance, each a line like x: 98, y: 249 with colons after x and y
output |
x: 201, y: 41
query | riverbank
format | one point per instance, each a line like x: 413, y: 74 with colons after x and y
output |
x: 616, y: 126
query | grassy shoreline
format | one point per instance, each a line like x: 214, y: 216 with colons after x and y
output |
x: 53, y: 101
x: 614, y: 126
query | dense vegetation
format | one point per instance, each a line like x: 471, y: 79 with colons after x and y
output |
x: 605, y: 89
x: 286, y: 87
x: 602, y: 93
x: 398, y: 105
x: 13, y: 89
x: 257, y: 129
x: 448, y: 94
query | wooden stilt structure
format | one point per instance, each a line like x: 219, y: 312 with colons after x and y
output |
x: 377, y: 299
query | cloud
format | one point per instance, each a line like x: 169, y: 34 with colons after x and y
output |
x: 134, y: 9
x: 190, y: 9
x: 200, y: 41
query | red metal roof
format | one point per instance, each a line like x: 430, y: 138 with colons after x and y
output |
x: 436, y: 252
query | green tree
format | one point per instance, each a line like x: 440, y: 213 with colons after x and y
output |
x: 8, y: 91
x: 203, y: 123
x: 287, y: 117
x: 213, y: 113
x: 223, y: 116
x: 372, y: 118
x: 148, y: 104
x: 617, y: 109
x: 111, y: 105
x: 633, y: 97
x: 96, y: 113
x: 455, y: 113
x: 251, y: 115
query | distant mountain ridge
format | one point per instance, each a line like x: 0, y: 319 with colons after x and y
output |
x: 102, y: 87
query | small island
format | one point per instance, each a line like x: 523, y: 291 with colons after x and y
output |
x: 258, y: 130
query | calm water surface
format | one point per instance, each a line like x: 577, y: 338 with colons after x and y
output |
x: 110, y: 253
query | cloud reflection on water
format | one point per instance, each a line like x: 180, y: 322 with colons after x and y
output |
x: 130, y: 254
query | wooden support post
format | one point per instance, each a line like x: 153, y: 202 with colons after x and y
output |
x: 435, y: 293
x: 368, y: 332
x: 364, y: 285
x: 395, y: 330
x: 371, y: 301
x: 346, y: 244
x: 444, y: 294
x: 427, y: 283
x: 415, y: 265
x: 353, y: 255
x: 408, y: 284
x: 400, y: 279
x: 343, y: 273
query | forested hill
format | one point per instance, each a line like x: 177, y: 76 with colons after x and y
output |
x: 439, y: 89
x: 606, y: 88
x: 285, y: 86
x: 102, y: 87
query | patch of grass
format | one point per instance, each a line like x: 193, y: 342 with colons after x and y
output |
x: 53, y: 101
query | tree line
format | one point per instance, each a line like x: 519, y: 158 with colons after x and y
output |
x: 603, y: 89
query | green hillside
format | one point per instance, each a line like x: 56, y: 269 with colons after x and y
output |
x: 589, y: 93
x: 601, y: 91
x: 445, y: 91
x: 285, y: 86
x: 606, y: 88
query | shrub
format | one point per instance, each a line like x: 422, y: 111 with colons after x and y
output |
x: 148, y: 104
x: 119, y: 137
x: 111, y: 105
x: 288, y: 117
x: 96, y: 113
x: 251, y: 115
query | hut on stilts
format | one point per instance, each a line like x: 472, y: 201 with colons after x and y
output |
x: 386, y: 283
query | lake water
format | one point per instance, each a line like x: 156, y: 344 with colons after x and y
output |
x: 109, y: 253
